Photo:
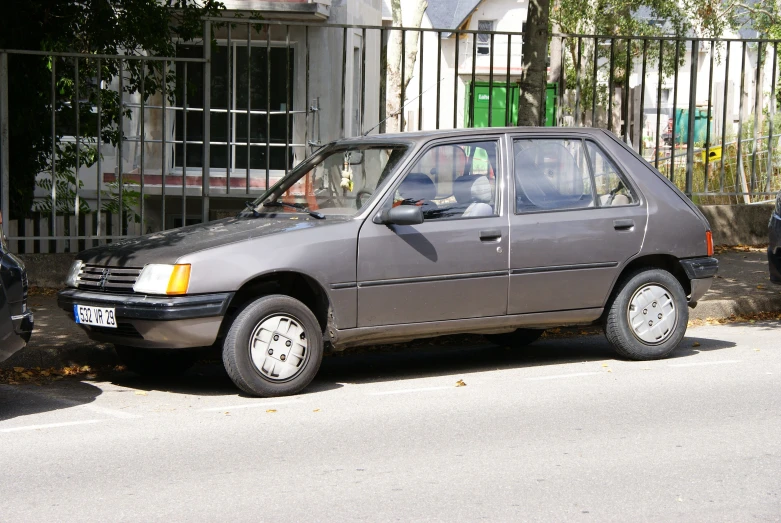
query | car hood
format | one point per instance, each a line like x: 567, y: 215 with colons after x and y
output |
x: 169, y: 246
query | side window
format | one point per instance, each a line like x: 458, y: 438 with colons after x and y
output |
x: 610, y: 187
x: 452, y: 181
x: 551, y: 174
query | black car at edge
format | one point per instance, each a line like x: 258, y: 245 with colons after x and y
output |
x: 774, y: 244
x: 16, y: 320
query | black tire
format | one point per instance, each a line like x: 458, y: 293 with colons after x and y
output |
x: 156, y: 362
x: 618, y: 329
x: 238, y: 356
x: 516, y: 338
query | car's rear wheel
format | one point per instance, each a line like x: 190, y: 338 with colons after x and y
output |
x: 156, y: 362
x: 516, y: 338
x: 274, y: 347
x: 647, y: 317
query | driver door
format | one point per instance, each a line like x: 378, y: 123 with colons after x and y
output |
x: 455, y: 264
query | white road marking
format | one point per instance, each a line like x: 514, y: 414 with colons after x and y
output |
x: 110, y: 412
x: 250, y: 406
x: 407, y: 391
x: 558, y: 376
x: 699, y: 363
x: 51, y: 425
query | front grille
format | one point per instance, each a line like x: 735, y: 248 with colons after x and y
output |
x: 108, y: 279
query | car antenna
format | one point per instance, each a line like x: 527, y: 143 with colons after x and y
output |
x: 402, y: 107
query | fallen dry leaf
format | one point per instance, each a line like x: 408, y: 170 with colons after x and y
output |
x: 316, y: 410
x: 271, y: 410
x: 460, y: 383
x: 140, y: 393
x: 696, y: 344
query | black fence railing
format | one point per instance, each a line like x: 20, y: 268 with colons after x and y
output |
x: 146, y: 138
x: 703, y: 111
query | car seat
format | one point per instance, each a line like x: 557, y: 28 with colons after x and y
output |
x: 475, y: 195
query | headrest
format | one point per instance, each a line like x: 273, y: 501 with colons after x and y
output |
x: 418, y: 186
x: 470, y: 189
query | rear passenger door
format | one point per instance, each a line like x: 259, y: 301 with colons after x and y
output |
x: 576, y: 219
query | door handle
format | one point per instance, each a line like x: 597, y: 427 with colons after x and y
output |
x: 622, y: 225
x: 490, y: 235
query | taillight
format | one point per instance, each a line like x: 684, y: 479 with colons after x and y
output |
x: 709, y: 242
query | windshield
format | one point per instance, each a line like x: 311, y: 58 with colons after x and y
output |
x: 338, y: 180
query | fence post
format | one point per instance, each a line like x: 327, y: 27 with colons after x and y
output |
x: 695, y: 52
x: 207, y: 105
x: 4, y: 147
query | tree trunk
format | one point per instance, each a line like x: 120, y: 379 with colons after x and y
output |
x: 393, y: 102
x: 535, y: 54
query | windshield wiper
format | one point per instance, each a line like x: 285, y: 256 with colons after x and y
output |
x: 250, y: 206
x: 299, y: 206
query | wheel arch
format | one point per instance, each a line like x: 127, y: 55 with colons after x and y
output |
x: 666, y: 262
x: 298, y: 285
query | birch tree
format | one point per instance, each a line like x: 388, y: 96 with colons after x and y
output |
x: 410, y: 17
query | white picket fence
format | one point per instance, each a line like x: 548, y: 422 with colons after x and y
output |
x: 34, y: 235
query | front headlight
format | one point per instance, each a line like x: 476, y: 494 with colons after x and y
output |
x: 157, y: 278
x: 74, y: 274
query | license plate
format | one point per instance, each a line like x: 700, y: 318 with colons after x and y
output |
x: 99, y: 316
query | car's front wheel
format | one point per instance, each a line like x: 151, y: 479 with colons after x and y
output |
x: 156, y: 362
x: 274, y: 347
x: 647, y: 317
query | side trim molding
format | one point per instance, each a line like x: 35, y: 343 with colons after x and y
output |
x: 426, y: 279
x: 557, y: 268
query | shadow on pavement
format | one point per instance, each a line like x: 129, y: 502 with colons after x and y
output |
x: 205, y: 379
x: 420, y: 359
x: 23, y: 400
x: 449, y: 360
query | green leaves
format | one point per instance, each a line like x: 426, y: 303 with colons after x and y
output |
x: 109, y: 27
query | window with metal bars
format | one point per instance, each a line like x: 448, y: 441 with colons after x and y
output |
x: 243, y: 86
x: 483, y: 39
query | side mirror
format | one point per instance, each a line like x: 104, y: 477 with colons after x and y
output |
x: 401, y: 215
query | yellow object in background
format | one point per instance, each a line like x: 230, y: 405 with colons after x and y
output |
x: 714, y: 154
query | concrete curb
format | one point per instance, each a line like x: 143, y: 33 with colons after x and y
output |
x: 718, y: 309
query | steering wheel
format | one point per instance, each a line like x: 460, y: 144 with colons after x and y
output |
x: 359, y: 197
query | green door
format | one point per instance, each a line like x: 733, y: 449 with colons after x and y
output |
x: 551, y: 91
x: 480, y: 95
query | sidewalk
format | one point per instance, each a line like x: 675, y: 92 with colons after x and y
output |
x: 741, y: 287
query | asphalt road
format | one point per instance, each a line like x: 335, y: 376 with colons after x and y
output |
x: 560, y: 431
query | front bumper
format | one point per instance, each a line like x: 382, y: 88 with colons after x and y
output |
x: 153, y: 321
x: 700, y: 272
x: 774, y: 248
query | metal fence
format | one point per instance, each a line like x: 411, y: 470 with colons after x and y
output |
x: 700, y: 110
x: 139, y: 144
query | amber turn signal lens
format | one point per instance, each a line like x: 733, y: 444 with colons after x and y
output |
x: 709, y: 242
x: 180, y: 280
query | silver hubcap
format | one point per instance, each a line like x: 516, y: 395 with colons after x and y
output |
x: 652, y: 315
x: 278, y: 347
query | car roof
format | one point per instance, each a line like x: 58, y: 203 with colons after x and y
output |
x: 424, y: 136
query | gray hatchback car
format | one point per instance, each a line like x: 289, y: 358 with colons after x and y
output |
x: 503, y: 232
